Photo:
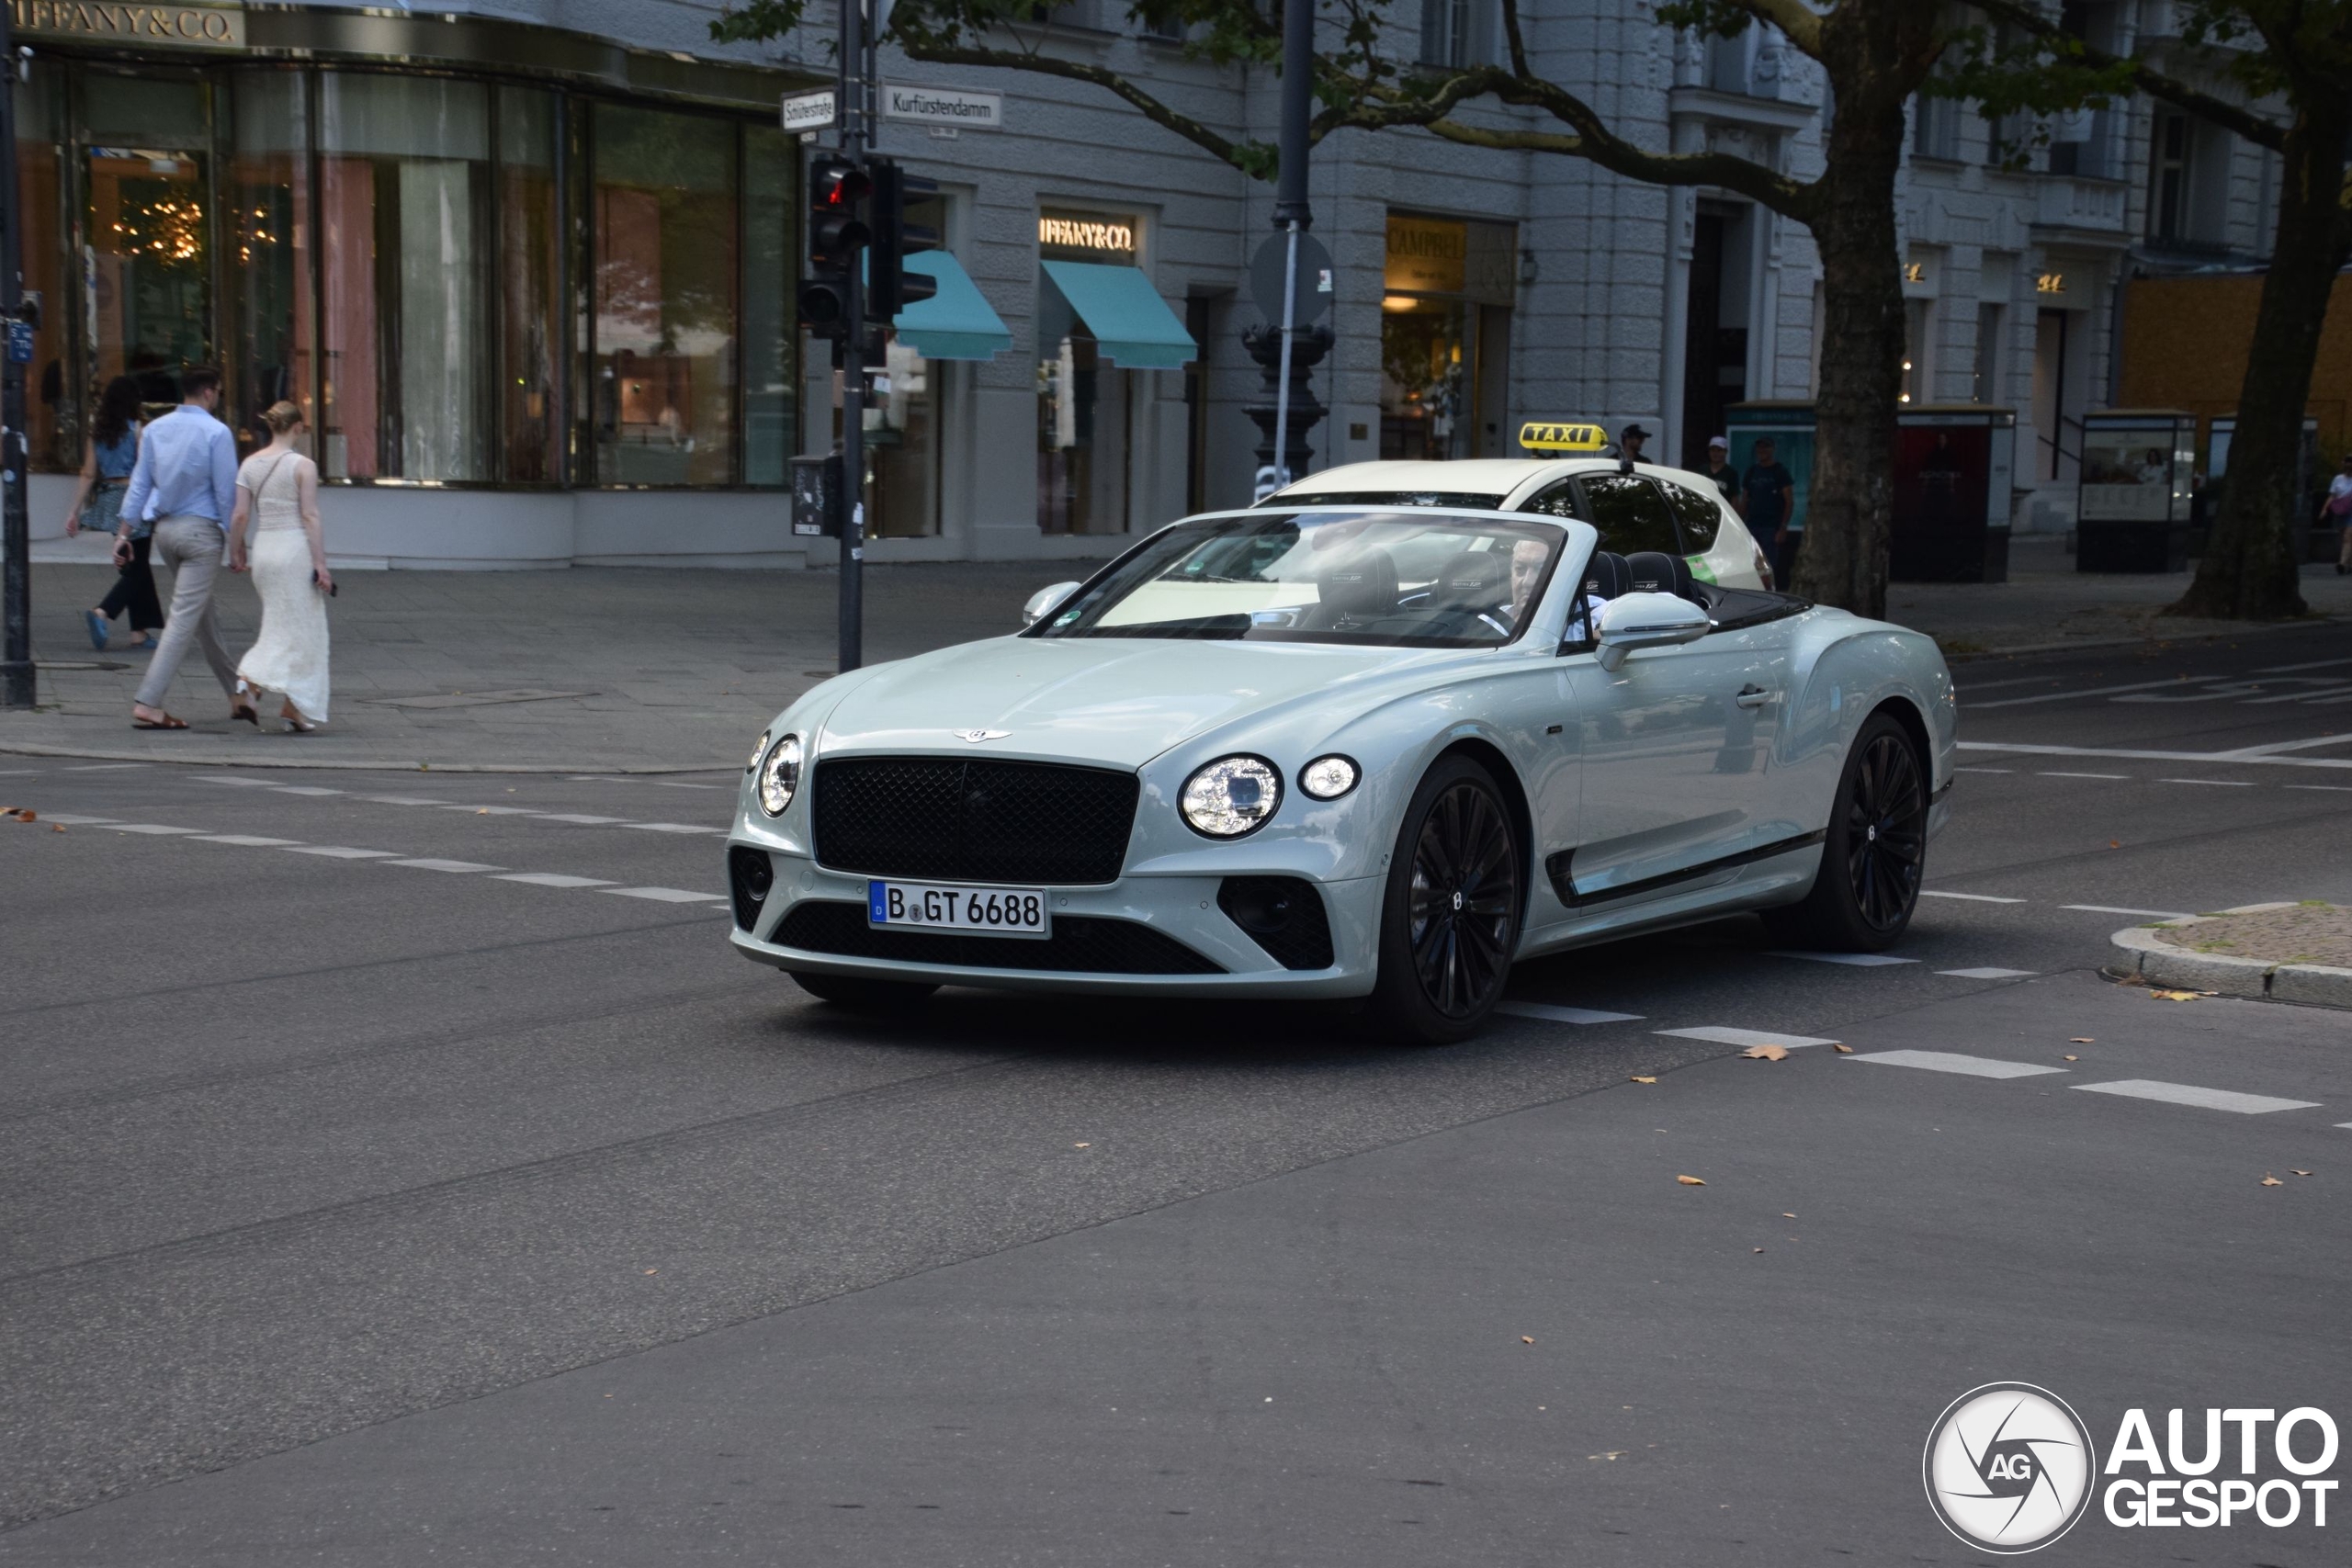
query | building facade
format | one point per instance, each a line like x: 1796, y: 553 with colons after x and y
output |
x: 541, y: 310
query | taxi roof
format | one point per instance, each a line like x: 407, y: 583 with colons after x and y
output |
x: 1467, y: 476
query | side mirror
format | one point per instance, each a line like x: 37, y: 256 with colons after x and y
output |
x: 1043, y: 602
x: 1645, y: 620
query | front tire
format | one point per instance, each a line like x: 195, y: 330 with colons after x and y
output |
x: 862, y: 994
x: 1450, y: 921
x: 1874, y: 854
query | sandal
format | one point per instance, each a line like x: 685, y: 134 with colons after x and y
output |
x: 98, y: 624
x: 246, y: 712
x: 166, y: 722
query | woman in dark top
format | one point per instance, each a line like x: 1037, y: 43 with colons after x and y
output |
x: 107, y: 461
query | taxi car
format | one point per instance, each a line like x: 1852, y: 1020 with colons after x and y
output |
x: 1572, y: 471
x: 1370, y: 750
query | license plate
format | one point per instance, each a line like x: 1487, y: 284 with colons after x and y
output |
x: 994, y: 911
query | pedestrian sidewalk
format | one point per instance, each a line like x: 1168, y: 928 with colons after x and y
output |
x: 604, y: 669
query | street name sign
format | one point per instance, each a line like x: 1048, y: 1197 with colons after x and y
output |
x: 942, y: 105
x: 811, y: 112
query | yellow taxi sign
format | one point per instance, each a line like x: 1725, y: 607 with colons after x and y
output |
x: 1541, y: 435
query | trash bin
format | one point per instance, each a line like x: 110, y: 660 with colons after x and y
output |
x: 2132, y: 511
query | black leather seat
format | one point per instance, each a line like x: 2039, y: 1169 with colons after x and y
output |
x: 1607, y: 578
x: 1654, y: 571
x: 1473, y: 581
x: 1361, y: 588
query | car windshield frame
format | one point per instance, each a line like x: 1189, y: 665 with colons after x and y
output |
x: 1162, y: 557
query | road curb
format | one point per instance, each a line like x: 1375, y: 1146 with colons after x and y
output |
x: 362, y: 765
x: 2156, y: 961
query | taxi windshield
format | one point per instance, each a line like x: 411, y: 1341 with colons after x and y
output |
x: 1379, y: 579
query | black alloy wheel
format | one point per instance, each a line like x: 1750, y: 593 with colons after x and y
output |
x: 1451, y: 921
x: 1886, y: 832
x: 1873, y: 854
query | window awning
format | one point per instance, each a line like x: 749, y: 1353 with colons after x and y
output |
x: 1131, y: 324
x: 954, y: 323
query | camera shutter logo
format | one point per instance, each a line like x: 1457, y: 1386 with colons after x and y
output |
x: 2010, y: 1467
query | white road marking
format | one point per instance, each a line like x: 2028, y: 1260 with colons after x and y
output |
x: 672, y: 828
x: 2058, y: 776
x: 342, y: 851
x: 2189, y: 1094
x: 1984, y: 769
x: 586, y: 821
x: 1971, y: 897
x: 2225, y: 783
x: 663, y: 894
x: 492, y: 810
x: 2222, y: 757
x: 103, y: 767
x: 1953, y: 1061
x: 17, y: 773
x: 2332, y: 789
x: 1550, y: 1014
x: 1746, y: 1037
x: 2012, y: 681
x: 453, y: 866
x: 551, y: 879
x: 669, y: 784
x: 303, y: 789
x: 2112, y: 909
x: 155, y: 827
x: 2092, y: 692
x: 81, y: 821
x: 402, y: 799
x: 1989, y: 974
x: 248, y: 840
x: 2315, y: 664
x: 225, y: 779
x: 2312, y: 745
x: 1857, y: 960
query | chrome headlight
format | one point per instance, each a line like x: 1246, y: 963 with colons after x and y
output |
x: 1231, y: 796
x: 759, y: 750
x: 1328, y: 778
x: 780, y: 775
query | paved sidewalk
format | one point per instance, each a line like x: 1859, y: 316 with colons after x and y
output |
x: 614, y: 669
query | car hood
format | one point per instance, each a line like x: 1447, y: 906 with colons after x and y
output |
x: 1104, y: 700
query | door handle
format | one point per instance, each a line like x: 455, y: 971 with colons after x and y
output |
x: 1753, y: 697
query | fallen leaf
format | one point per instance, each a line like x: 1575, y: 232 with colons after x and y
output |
x: 2173, y: 996
x: 1690, y: 1181
x: 1786, y: 1215
x: 483, y: 812
x: 2115, y: 843
x: 2271, y: 1180
x: 2073, y: 1058
x: 2299, y: 1173
x: 2078, y: 1040
x: 1527, y: 1339
x: 1081, y: 1146
x: 1638, y: 1078
x: 653, y: 1270
x: 22, y: 813
x: 1759, y: 1249
x: 1767, y: 1053
x: 1842, y: 1050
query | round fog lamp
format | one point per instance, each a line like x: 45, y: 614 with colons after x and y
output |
x: 1231, y: 796
x: 780, y: 776
x: 1328, y: 778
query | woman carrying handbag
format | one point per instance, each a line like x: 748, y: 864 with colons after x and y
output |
x: 278, y: 496
x: 108, y: 458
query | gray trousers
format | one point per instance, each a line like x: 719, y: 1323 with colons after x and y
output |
x: 194, y: 547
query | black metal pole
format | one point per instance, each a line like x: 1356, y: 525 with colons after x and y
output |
x: 852, y: 501
x: 1292, y: 214
x: 16, y: 668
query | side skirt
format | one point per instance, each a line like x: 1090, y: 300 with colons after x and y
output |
x: 1558, y: 868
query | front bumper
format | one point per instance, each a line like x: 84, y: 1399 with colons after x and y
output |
x: 1182, y: 907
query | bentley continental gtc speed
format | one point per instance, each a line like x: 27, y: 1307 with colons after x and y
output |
x: 1344, y: 752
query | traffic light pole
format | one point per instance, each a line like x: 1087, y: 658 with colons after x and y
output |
x: 1292, y: 213
x: 855, y: 80
x: 15, y: 534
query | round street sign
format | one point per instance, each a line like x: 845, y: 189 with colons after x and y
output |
x: 1314, y: 278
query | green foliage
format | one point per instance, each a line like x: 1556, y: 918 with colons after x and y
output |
x: 1707, y: 18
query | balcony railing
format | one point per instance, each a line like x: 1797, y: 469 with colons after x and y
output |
x: 2064, y: 202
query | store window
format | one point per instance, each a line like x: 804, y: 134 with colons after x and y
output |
x: 404, y: 199
x: 54, y: 426
x: 1085, y: 404
x: 1445, y: 338
x: 771, y: 256
x: 146, y: 166
x: 530, y: 283
x: 271, y: 337
x: 902, y: 423
x: 665, y: 297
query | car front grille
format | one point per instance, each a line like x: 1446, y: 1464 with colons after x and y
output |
x: 1080, y: 944
x: 1030, y: 823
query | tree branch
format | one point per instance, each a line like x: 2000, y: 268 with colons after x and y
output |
x: 1790, y: 197
x: 1250, y: 158
x: 2155, y: 84
x: 1800, y: 21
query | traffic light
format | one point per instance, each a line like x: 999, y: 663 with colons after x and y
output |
x: 837, y: 232
x: 889, y: 287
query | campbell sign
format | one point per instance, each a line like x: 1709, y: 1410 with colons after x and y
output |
x: 99, y: 21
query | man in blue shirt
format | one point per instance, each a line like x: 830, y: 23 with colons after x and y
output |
x: 1772, y: 490
x: 185, y: 479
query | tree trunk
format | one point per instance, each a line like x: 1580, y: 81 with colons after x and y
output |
x: 2252, y: 567
x: 1844, y: 559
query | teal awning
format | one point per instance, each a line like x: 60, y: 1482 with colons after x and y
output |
x: 956, y: 322
x: 1131, y: 324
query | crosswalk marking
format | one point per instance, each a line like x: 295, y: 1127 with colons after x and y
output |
x: 2190, y: 1094
x: 489, y: 810
x: 1725, y: 1036
x: 2225, y: 783
x: 304, y: 789
x: 1552, y: 1014
x: 2060, y: 775
x: 1953, y: 1062
x: 246, y: 841
x: 1853, y: 959
x: 402, y: 799
x: 429, y: 863
x: 157, y: 828
x: 1989, y: 974
x: 672, y: 828
x: 2114, y: 910
x: 79, y: 821
x: 583, y: 820
x: 342, y: 852
x: 552, y: 879
x: 1971, y: 897
x: 663, y: 894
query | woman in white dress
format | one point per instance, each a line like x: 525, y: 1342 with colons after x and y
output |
x: 278, y: 499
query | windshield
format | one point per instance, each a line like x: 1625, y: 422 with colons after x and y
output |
x: 1382, y: 579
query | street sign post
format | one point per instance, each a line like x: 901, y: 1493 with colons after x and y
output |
x: 942, y: 105
x: 1268, y: 273
x: 804, y: 112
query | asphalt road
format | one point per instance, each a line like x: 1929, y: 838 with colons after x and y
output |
x: 460, y: 1197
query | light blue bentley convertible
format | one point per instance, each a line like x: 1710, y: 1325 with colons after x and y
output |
x: 1344, y: 752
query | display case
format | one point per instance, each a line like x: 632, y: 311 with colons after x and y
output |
x: 1790, y: 426
x: 1954, y: 464
x: 2318, y: 539
x: 2132, y: 513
